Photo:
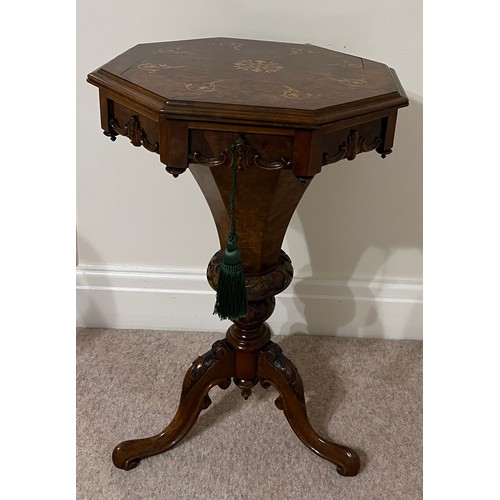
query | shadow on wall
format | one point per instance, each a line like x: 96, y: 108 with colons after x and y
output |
x: 93, y: 310
x: 356, y: 218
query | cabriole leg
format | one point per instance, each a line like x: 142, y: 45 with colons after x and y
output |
x: 276, y: 369
x: 216, y: 367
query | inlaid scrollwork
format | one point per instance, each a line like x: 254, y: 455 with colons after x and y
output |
x: 133, y: 130
x: 352, y: 146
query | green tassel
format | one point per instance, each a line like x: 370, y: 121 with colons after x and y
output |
x: 231, y: 301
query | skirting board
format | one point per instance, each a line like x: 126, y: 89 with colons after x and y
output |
x: 177, y: 300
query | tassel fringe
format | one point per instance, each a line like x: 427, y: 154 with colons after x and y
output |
x: 231, y: 302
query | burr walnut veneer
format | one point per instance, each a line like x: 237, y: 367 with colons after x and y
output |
x: 294, y: 109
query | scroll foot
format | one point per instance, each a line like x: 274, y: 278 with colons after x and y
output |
x: 216, y: 367
x: 276, y: 369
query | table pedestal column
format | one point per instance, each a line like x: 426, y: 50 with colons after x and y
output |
x: 266, y: 199
x: 247, y: 356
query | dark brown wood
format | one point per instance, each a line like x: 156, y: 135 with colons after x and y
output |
x: 223, y: 79
x: 265, y: 203
x: 294, y: 108
x: 175, y: 144
x: 274, y: 368
x: 215, y: 367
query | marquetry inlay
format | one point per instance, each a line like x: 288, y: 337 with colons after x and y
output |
x: 258, y: 65
x: 256, y: 73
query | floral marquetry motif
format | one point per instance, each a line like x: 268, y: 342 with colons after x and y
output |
x: 294, y: 108
x: 254, y: 73
x: 291, y: 93
x: 258, y: 65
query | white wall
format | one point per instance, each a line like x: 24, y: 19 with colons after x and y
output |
x: 365, y: 254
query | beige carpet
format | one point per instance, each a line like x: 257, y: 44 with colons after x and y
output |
x: 364, y: 393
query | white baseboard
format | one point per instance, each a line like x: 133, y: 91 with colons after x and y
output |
x: 175, y: 300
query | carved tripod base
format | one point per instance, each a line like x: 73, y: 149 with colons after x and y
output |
x: 247, y: 356
x: 225, y: 361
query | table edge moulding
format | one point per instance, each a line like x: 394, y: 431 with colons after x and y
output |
x: 254, y: 122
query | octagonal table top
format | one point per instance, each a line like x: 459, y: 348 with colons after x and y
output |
x: 227, y: 77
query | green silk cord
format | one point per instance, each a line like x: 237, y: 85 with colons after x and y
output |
x: 231, y: 301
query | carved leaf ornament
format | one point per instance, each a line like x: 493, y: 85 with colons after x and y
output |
x: 352, y: 146
x: 133, y: 130
x: 246, y: 156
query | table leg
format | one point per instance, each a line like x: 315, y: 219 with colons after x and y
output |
x: 274, y: 368
x: 216, y: 367
x: 259, y: 359
x: 247, y: 356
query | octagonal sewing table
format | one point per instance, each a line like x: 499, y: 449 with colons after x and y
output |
x: 279, y: 112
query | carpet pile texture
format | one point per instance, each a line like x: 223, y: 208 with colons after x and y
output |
x: 364, y: 393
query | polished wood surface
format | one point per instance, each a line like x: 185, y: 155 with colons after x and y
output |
x: 164, y: 93
x: 253, y: 73
x: 294, y: 109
